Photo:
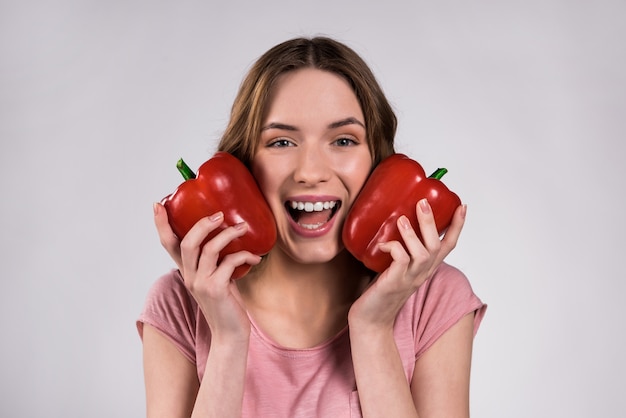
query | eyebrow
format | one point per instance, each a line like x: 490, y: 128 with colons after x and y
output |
x: 338, y: 124
x: 347, y: 121
x: 282, y: 126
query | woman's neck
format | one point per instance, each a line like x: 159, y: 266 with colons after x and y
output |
x: 301, y: 305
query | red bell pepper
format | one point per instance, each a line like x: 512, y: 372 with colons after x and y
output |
x: 223, y: 184
x: 393, y: 189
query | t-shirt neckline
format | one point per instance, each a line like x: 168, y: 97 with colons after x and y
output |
x: 296, y: 352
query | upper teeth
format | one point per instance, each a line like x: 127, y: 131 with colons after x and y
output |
x: 313, y: 206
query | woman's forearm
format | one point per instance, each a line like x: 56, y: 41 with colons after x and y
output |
x: 381, y: 381
x: 221, y: 391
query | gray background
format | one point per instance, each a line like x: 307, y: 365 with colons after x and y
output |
x: 522, y: 100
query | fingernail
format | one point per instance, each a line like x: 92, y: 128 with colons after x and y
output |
x: 424, y: 206
x: 240, y: 225
x: 404, y: 222
x: 216, y: 216
x: 463, y: 211
x: 155, y: 207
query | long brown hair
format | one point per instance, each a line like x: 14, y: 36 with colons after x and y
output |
x: 241, y: 135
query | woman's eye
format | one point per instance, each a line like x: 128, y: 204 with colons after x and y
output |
x: 345, y: 142
x: 279, y: 143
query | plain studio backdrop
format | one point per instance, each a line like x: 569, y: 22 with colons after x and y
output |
x: 523, y: 102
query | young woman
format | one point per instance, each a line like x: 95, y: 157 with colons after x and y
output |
x: 309, y: 332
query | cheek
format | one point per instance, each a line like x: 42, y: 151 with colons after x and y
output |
x: 261, y: 175
x: 266, y: 179
x: 357, y: 173
x: 358, y: 184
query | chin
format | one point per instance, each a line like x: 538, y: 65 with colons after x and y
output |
x: 313, y: 253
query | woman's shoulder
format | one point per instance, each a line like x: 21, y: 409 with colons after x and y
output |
x: 439, y: 303
x: 446, y: 279
x: 169, y: 289
x: 170, y: 308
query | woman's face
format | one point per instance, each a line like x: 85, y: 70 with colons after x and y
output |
x: 312, y: 160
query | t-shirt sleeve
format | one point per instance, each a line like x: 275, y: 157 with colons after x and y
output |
x: 171, y: 309
x: 441, y: 302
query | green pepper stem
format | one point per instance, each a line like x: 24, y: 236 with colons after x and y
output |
x: 438, y: 174
x: 184, y: 169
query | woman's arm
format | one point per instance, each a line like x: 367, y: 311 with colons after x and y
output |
x: 172, y: 386
x: 380, y: 377
x: 440, y: 384
x: 441, y: 378
x: 221, y: 391
x: 381, y: 382
x: 171, y: 380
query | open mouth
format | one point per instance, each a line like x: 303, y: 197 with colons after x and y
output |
x: 312, y: 215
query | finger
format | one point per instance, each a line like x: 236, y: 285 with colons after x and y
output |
x: 412, y: 242
x: 168, y: 239
x: 401, y: 258
x: 210, y: 252
x: 216, y: 283
x: 428, y: 228
x: 191, y: 245
x: 399, y: 269
x: 232, y: 261
x: 451, y: 237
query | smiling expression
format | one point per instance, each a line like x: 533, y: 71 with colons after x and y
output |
x: 312, y: 160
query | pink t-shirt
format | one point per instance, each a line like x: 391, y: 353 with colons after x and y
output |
x: 318, y: 381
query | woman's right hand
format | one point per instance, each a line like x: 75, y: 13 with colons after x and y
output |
x: 209, y: 283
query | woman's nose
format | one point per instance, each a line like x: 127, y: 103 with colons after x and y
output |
x: 312, y: 167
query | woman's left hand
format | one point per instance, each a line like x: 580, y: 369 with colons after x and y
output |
x: 379, y: 305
